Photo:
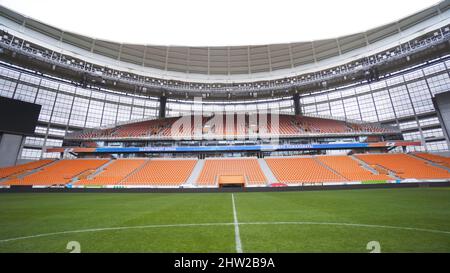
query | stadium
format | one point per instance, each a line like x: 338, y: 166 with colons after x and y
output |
x: 333, y: 145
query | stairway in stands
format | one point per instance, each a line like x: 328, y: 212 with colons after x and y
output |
x: 267, y: 171
x: 192, y: 180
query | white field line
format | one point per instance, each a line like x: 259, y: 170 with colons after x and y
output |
x: 237, y: 237
x: 223, y: 224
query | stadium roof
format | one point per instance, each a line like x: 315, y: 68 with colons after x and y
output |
x: 229, y: 60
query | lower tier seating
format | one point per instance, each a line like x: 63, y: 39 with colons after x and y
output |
x: 350, y: 168
x: 114, y: 172
x: 248, y: 168
x: 59, y: 173
x: 405, y: 166
x: 162, y: 172
x: 442, y: 160
x: 301, y: 170
x: 175, y: 172
x: 20, y: 169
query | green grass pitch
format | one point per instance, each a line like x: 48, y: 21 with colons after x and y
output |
x: 401, y: 220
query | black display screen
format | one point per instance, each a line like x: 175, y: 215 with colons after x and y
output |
x: 18, y: 117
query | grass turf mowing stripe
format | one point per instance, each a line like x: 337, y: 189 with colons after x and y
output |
x: 226, y: 224
x: 33, y: 214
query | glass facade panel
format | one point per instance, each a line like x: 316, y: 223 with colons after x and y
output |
x: 404, y: 99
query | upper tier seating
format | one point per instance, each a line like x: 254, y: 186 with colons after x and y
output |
x: 162, y: 172
x: 442, y: 160
x: 301, y: 170
x: 350, y: 169
x: 58, y: 173
x: 318, y: 125
x: 20, y: 169
x: 248, y: 168
x: 114, y: 172
x: 231, y: 125
x: 405, y: 166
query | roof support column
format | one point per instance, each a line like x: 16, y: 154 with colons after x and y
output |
x: 297, y: 108
x: 162, y: 106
